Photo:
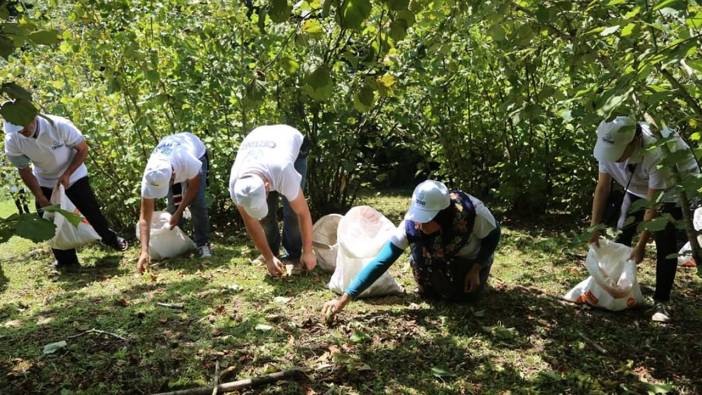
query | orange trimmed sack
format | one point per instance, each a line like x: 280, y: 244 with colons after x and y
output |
x: 612, y: 283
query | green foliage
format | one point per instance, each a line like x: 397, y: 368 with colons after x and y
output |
x: 499, y: 98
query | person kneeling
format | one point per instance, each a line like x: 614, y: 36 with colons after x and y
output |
x: 453, y: 238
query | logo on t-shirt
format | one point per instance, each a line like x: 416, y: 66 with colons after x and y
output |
x: 259, y: 144
x: 167, y: 148
x: 56, y: 145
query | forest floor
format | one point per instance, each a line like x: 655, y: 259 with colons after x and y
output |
x: 225, y: 311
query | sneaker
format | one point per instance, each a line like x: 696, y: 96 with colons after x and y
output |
x: 204, y: 252
x: 120, y: 244
x: 660, y: 312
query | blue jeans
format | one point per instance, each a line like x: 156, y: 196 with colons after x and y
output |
x: 198, y: 207
x: 292, y: 240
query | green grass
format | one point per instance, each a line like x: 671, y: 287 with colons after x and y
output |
x: 516, y: 339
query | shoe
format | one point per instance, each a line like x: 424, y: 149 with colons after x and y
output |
x: 660, y: 312
x: 120, y: 244
x: 204, y: 252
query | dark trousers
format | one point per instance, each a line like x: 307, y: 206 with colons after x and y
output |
x: 668, y: 242
x: 83, y: 198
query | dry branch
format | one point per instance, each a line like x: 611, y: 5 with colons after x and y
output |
x: 295, y: 373
x: 93, y: 330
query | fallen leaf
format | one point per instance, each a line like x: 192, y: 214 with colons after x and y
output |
x: 263, y: 327
x: 281, y: 299
x: 53, y: 347
x: 441, y: 373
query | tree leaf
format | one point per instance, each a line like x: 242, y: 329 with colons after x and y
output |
x: 364, y: 99
x: 279, y: 11
x: 45, y: 37
x: 16, y: 92
x: 312, y: 27
x: 397, y: 5
x: 353, y: 13
x: 319, y: 85
x: 609, y: 30
x: 30, y: 226
x: 19, y: 112
x: 73, y: 218
x: 656, y: 224
x: 675, y: 4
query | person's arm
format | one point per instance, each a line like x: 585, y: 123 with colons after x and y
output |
x: 370, y: 273
x: 599, y: 201
x: 255, y: 231
x: 488, y: 245
x: 637, y: 253
x: 147, y: 211
x: 78, y: 159
x: 190, y: 194
x: 31, y: 182
x: 304, y: 218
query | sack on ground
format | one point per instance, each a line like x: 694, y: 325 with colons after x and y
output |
x: 685, y: 253
x: 362, y: 232
x: 165, y: 242
x: 68, y: 236
x: 612, y: 284
x: 324, y: 241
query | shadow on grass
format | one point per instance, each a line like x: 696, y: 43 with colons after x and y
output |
x: 482, y: 347
x: 510, y: 339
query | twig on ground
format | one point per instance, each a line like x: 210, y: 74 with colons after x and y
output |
x: 227, y: 371
x: 593, y: 343
x: 215, y: 384
x: 177, y: 306
x: 294, y: 373
x: 93, y: 330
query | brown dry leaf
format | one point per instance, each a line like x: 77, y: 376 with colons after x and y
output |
x: 220, y: 310
x: 12, y: 324
x: 122, y: 302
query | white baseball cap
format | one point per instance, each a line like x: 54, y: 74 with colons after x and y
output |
x: 428, y: 199
x: 613, y: 137
x: 11, y: 128
x: 157, y: 178
x: 249, y: 192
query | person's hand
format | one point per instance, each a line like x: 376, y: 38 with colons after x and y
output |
x: 144, y: 261
x: 175, y: 219
x: 64, y: 180
x: 472, y: 281
x: 637, y: 254
x: 275, y: 267
x: 333, y: 307
x: 308, y: 260
x: 595, y: 238
x: 43, y: 201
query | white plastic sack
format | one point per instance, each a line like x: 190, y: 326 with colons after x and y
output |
x: 612, y: 283
x: 164, y: 242
x: 362, y: 232
x: 685, y: 253
x: 324, y: 241
x: 67, y: 236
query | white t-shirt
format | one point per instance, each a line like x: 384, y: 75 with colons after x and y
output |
x: 646, y: 172
x: 270, y: 151
x: 184, y: 151
x: 50, y: 153
x: 484, y: 224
